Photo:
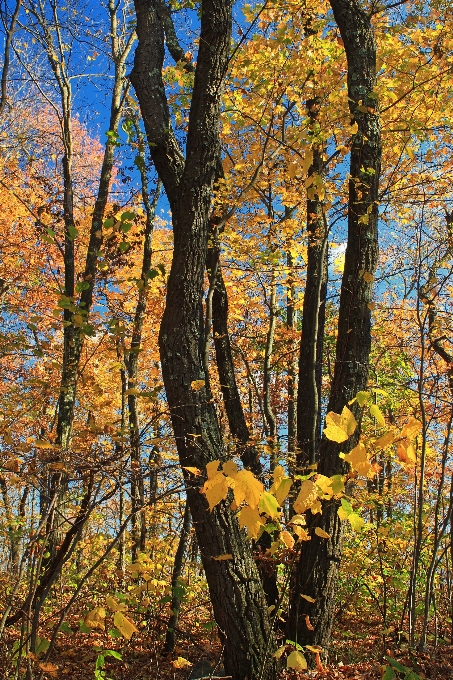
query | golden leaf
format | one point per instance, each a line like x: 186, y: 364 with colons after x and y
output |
x: 247, y: 488
x: 339, y: 427
x: 287, y: 539
x: 95, y: 618
x: 358, y: 459
x: 197, y: 385
x: 386, y: 439
x: 251, y: 520
x: 42, y: 444
x: 301, y: 534
x: 308, y: 495
x: 297, y: 661
x: 308, y: 598
x: 221, y: 558
x: 180, y: 662
x: 321, y: 533
x: 215, y: 489
x: 230, y: 468
x: 193, y: 470
x: 114, y: 605
x: 124, y: 625
x: 269, y: 505
x: 412, y: 428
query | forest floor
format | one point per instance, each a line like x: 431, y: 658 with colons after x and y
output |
x: 357, y: 653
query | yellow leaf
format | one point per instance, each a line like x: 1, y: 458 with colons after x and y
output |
x: 212, y: 468
x: 251, y: 520
x: 297, y: 661
x: 316, y: 649
x: 356, y: 521
x: 247, y: 488
x: 325, y: 485
x: 301, y: 533
x: 340, y: 427
x: 95, y: 618
x: 230, y: 468
x: 376, y: 412
x: 321, y: 533
x: 406, y: 453
x: 287, y: 539
x: 180, y: 662
x: 411, y: 429
x: 114, y: 605
x: 308, y: 598
x: 42, y: 444
x: 308, y: 495
x: 386, y: 439
x: 298, y: 519
x: 283, y: 489
x: 193, y: 470
x: 279, y: 652
x: 358, y: 459
x: 133, y: 391
x: 215, y: 489
x: 371, y: 306
x: 354, y: 129
x: 277, y: 475
x: 197, y: 385
x: 308, y: 160
x: 367, y: 277
x: 316, y: 507
x: 124, y: 625
x: 221, y: 558
x: 343, y: 514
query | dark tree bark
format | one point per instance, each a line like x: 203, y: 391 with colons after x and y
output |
x: 313, y: 318
x: 317, y: 570
x: 236, y: 591
x: 175, y: 605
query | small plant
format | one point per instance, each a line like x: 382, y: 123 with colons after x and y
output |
x: 395, y: 671
x: 99, y: 672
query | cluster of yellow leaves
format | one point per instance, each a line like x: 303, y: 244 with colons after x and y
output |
x: 96, y: 618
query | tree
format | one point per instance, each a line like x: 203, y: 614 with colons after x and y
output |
x: 188, y: 181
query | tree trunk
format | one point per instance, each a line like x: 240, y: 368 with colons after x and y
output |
x: 317, y: 570
x: 184, y: 538
x: 236, y: 592
x: 313, y: 317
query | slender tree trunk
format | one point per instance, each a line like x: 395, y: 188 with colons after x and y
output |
x: 184, y: 539
x: 317, y: 569
x: 313, y: 317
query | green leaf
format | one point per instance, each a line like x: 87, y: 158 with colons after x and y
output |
x: 269, y: 504
x: 127, y: 216
x: 65, y: 628
x: 112, y: 652
x: 109, y: 222
x: 114, y: 633
x: 72, y: 232
x: 83, y: 628
x: 124, y: 245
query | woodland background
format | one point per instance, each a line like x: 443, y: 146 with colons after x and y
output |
x: 265, y: 178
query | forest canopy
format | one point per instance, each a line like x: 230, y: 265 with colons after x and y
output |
x: 226, y: 343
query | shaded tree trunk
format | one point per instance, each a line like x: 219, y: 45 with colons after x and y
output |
x: 317, y: 570
x: 235, y: 588
x: 175, y: 605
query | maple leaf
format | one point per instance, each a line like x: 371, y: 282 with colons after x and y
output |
x: 308, y: 495
x: 250, y: 519
x: 358, y: 459
x: 247, y: 488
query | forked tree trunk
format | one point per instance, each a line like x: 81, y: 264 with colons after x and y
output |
x: 235, y: 588
x: 317, y: 570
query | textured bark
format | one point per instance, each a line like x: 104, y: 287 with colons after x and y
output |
x: 236, y: 592
x: 175, y: 605
x: 225, y: 365
x: 313, y: 319
x: 317, y: 570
